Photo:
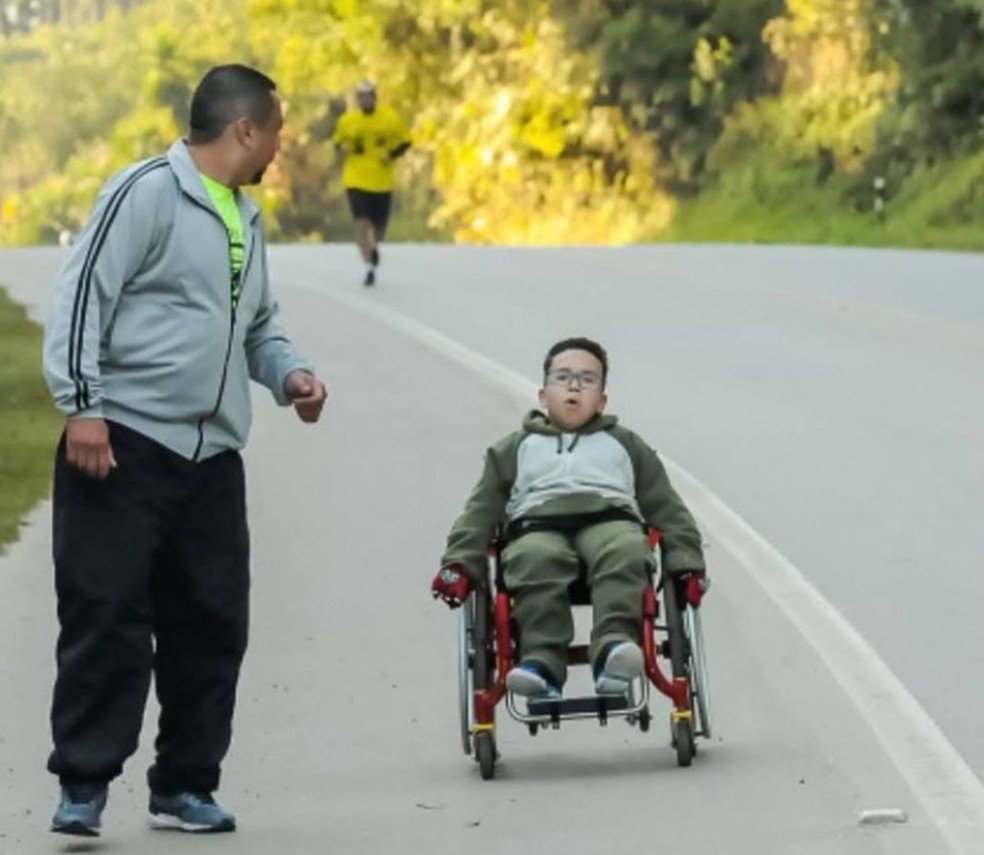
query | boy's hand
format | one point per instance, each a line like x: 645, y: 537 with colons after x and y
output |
x: 695, y: 585
x: 451, y: 585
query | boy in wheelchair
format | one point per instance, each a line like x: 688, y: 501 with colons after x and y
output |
x: 573, y: 488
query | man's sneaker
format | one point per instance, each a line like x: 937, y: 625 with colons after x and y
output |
x: 189, y: 812
x: 370, y: 277
x: 532, y: 680
x: 619, y: 664
x: 374, y: 256
x: 80, y: 810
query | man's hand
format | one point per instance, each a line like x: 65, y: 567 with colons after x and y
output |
x: 451, y: 585
x: 695, y: 584
x: 87, y: 446
x: 307, y: 393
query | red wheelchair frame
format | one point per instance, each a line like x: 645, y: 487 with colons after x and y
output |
x: 487, y: 653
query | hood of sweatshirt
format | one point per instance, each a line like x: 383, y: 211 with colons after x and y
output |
x: 536, y: 421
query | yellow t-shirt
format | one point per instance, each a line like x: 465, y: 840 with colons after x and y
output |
x: 367, y: 140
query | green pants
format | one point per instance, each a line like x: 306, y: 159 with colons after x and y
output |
x: 539, y: 567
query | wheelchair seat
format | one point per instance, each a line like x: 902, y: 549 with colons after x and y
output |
x: 579, y: 590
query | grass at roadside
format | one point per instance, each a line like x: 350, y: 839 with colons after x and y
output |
x: 29, y: 424
x: 760, y: 201
x: 723, y: 220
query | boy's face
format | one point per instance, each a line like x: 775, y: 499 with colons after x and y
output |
x: 572, y: 393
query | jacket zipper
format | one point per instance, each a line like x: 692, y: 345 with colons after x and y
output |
x: 222, y: 382
x: 228, y: 353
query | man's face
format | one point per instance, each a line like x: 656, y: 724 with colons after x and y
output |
x: 366, y: 101
x: 264, y: 141
x: 572, y: 392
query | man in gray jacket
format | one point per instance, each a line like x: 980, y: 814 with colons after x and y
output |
x: 163, y: 316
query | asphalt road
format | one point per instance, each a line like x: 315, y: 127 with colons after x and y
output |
x: 821, y: 410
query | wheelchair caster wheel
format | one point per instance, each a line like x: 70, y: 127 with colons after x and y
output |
x: 683, y: 742
x: 645, y: 718
x: 485, y: 755
x: 534, y: 728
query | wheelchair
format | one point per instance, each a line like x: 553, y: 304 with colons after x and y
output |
x: 671, y: 632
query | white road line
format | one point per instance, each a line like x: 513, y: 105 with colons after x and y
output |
x: 947, y: 788
x: 949, y: 791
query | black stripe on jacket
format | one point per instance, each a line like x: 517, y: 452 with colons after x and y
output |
x: 84, y: 286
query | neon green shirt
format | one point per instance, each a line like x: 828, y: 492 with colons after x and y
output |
x: 224, y: 200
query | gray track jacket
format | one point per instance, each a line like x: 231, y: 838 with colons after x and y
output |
x: 143, y: 331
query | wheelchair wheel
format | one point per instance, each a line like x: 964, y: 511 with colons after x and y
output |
x: 698, y: 673
x: 682, y: 726
x: 485, y: 754
x: 676, y: 633
x: 466, y: 682
x: 483, y: 657
x: 683, y: 741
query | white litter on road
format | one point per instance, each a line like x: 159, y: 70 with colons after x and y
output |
x: 882, y: 816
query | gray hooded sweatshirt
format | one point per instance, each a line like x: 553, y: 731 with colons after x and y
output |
x: 143, y: 330
x: 542, y: 471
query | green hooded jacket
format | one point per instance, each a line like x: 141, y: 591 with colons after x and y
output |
x: 541, y: 471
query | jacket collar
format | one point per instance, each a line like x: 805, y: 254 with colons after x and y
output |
x: 537, y: 421
x: 191, y: 184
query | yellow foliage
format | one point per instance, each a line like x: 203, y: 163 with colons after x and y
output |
x: 507, y: 145
x: 8, y: 212
x: 525, y: 159
x: 833, y: 95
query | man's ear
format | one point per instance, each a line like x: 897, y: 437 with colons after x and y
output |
x: 541, y: 397
x: 244, y: 130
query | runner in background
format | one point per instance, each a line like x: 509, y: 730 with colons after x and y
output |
x: 371, y: 139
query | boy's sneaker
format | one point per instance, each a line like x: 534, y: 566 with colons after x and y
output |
x: 619, y: 664
x: 80, y: 810
x: 532, y: 680
x: 192, y: 812
x: 370, y: 277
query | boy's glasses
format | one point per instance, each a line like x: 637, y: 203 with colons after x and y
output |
x: 567, y: 377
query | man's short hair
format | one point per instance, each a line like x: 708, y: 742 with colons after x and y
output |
x: 227, y: 93
x: 365, y: 87
x: 578, y: 343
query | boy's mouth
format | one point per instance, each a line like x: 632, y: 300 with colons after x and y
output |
x: 572, y: 400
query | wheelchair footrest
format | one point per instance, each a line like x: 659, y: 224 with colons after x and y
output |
x: 599, y: 705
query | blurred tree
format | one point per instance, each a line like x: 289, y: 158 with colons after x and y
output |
x: 508, y: 144
x: 520, y: 152
x: 940, y: 103
x: 676, y: 68
x: 835, y: 85
x: 533, y: 120
x: 23, y: 16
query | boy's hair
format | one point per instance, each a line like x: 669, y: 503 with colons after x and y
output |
x: 227, y: 93
x: 578, y: 343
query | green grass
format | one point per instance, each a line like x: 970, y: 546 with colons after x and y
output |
x: 933, y: 208
x: 729, y: 221
x: 29, y: 423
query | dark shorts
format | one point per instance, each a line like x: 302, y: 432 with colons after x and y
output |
x: 374, y: 207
